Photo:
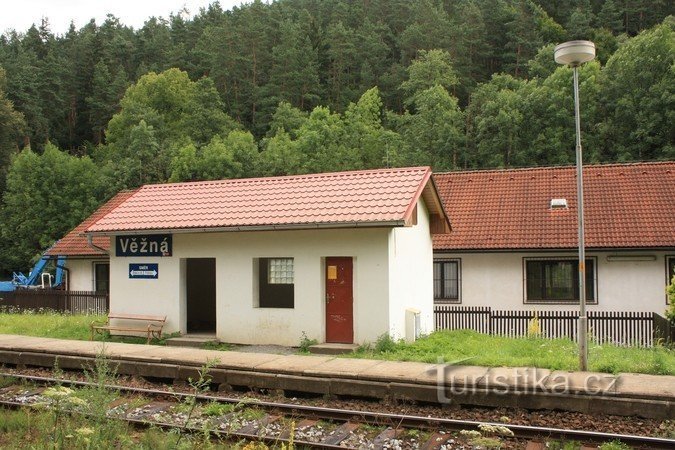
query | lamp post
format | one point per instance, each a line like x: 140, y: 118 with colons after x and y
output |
x: 573, y: 54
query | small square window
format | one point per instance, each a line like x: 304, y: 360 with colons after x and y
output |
x: 280, y: 271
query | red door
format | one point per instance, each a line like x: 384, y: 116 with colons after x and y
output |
x: 339, y: 301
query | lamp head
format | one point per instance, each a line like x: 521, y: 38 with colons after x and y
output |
x: 574, y: 53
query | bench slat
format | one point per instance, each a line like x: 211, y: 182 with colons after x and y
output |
x: 136, y: 317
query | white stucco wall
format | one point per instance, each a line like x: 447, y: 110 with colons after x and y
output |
x: 238, y: 321
x: 411, y: 266
x: 497, y: 280
x: 81, y: 273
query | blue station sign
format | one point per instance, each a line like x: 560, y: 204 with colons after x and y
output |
x: 146, y: 271
x: 143, y: 245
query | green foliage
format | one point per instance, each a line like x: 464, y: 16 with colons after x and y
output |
x: 430, y: 68
x: 46, y: 196
x: 469, y: 347
x: 306, y: 343
x: 234, y: 156
x: 434, y: 133
x: 614, y: 445
x: 384, y: 344
x: 218, y: 409
x: 159, y: 114
x: 670, y: 291
x: 11, y: 126
x: 197, y: 387
x: 637, y: 93
x: 49, y: 324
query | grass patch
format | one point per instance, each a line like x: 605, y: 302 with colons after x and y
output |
x: 48, y: 324
x: 220, y: 346
x: 471, y: 348
x: 58, y: 325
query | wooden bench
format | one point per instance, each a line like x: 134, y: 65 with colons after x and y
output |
x: 150, y: 325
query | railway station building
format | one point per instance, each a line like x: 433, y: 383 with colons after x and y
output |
x: 339, y: 257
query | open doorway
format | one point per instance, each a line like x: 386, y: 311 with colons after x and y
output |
x: 200, y: 284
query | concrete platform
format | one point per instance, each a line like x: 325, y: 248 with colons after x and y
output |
x: 333, y: 349
x: 624, y: 394
x: 193, y: 341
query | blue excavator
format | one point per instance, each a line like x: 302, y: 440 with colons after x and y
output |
x: 34, y: 279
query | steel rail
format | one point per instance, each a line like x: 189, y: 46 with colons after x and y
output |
x: 225, y: 435
x: 391, y: 419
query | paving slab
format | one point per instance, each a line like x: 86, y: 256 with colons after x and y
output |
x: 518, y: 379
x: 17, y: 343
x: 118, y: 350
x: 588, y: 383
x: 240, y: 360
x: 65, y: 347
x: 72, y: 348
x: 400, y: 371
x: 342, y: 367
x: 174, y: 355
x: 461, y: 376
x: 293, y: 364
x: 641, y: 385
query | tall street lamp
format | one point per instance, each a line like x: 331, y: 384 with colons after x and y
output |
x: 573, y: 54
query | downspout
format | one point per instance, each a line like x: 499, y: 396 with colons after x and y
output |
x: 90, y: 242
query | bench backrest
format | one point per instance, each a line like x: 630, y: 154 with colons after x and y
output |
x: 137, y: 317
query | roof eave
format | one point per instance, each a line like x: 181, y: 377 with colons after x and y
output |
x: 307, y: 226
x: 428, y: 191
x: 554, y: 249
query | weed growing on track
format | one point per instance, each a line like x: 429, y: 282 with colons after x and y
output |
x: 198, y: 386
x: 614, y: 445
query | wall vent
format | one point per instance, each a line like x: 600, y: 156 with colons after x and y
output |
x: 558, y: 203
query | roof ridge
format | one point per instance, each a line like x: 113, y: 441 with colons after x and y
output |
x: 560, y: 167
x: 349, y: 173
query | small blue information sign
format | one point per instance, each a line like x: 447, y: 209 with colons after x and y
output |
x: 148, y: 271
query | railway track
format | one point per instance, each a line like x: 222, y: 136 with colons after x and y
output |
x: 275, y: 423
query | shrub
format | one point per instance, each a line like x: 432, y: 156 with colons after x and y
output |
x: 670, y: 289
x: 306, y: 343
x: 385, y: 344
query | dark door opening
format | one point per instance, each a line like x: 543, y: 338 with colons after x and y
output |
x: 102, y: 277
x: 200, y: 284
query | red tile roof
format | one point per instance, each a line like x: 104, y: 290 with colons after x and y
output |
x: 75, y: 244
x: 356, y: 198
x: 626, y: 206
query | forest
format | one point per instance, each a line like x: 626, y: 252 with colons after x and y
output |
x: 299, y: 86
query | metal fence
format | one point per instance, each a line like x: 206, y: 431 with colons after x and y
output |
x: 605, y: 327
x: 75, y: 302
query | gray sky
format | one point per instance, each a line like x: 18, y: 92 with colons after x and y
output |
x: 20, y: 14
